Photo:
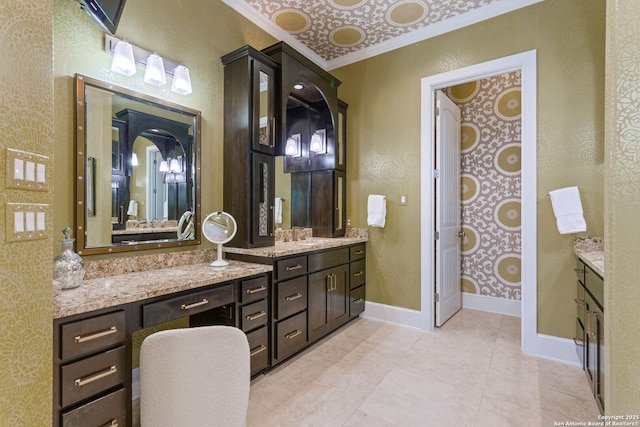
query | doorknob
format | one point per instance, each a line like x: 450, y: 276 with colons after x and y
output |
x: 461, y: 234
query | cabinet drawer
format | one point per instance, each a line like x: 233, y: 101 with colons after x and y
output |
x: 291, y: 335
x: 358, y: 273
x: 253, y: 289
x: 594, y: 284
x: 328, y: 259
x: 356, y: 301
x: 357, y: 252
x: 90, y: 335
x: 291, y: 267
x: 291, y: 297
x: 174, y: 308
x: 254, y: 315
x: 88, y: 377
x: 110, y: 410
x: 259, y: 349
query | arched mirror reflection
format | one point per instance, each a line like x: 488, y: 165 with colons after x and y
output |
x: 138, y: 170
x: 308, y: 146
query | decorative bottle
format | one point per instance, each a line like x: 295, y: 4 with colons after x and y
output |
x: 68, y: 267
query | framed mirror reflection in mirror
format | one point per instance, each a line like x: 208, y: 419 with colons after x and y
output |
x: 138, y: 170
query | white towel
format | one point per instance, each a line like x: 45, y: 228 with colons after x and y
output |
x: 133, y: 208
x: 567, y: 208
x: 376, y: 210
x: 278, y: 210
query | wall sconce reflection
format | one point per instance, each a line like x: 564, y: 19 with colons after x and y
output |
x: 292, y: 148
x: 318, y: 143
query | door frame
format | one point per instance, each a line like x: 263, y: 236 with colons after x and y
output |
x: 525, y: 62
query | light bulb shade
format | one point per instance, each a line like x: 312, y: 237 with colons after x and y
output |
x: 154, y: 72
x: 123, y: 61
x: 164, y: 166
x: 317, y: 143
x: 181, y: 80
x: 174, y: 166
x: 292, y: 148
x: 134, y: 159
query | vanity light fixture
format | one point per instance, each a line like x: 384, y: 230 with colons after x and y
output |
x: 123, y: 59
x: 174, y: 166
x: 154, y: 70
x: 292, y: 148
x: 318, y: 142
x: 126, y: 56
x: 181, y: 81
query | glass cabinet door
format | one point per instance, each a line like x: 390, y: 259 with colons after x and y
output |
x: 264, y: 138
x: 262, y: 194
x: 340, y: 214
x: 341, y: 136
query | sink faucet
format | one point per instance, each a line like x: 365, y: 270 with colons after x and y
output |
x: 297, y: 233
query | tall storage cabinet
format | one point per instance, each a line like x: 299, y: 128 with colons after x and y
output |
x: 251, y: 95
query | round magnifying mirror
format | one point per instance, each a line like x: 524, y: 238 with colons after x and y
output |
x: 219, y: 228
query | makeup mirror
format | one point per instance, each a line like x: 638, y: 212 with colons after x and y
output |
x: 219, y: 228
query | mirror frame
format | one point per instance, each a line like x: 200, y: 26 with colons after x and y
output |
x: 81, y: 161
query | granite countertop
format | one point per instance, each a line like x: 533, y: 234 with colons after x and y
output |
x: 309, y: 244
x: 591, y: 251
x: 110, y: 291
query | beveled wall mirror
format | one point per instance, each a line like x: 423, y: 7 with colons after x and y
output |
x: 138, y: 170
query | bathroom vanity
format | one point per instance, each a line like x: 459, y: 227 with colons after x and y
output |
x: 590, y: 314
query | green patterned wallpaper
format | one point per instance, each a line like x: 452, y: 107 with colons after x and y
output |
x: 383, y: 93
x: 622, y: 187
x: 26, y: 123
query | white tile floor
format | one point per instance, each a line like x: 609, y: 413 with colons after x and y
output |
x: 470, y: 372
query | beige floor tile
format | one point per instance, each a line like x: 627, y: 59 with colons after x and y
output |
x: 259, y: 416
x: 509, y: 332
x: 406, y: 399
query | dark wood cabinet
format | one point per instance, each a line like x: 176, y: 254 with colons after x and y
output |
x: 590, y: 328
x: 251, y: 99
x: 92, y: 352
x: 328, y: 300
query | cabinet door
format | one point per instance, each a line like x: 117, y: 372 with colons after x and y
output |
x: 328, y: 203
x: 319, y: 323
x: 264, y: 104
x: 262, y: 198
x: 339, y: 296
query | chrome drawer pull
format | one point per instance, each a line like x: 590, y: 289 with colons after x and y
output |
x: 293, y: 297
x: 104, y: 333
x: 292, y: 335
x: 358, y: 252
x: 358, y: 301
x: 295, y: 267
x: 257, y: 350
x: 257, y: 315
x: 579, y: 344
x: 195, y: 304
x: 359, y: 273
x: 95, y: 377
x: 112, y: 423
x: 254, y: 290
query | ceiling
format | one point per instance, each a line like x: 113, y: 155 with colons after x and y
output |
x: 334, y: 33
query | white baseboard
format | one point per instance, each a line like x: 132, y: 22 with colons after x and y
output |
x: 508, y: 307
x: 559, y: 349
x: 392, y: 314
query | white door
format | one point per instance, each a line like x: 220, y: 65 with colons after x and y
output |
x: 447, y: 204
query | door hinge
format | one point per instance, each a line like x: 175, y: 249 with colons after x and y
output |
x: 436, y: 235
x: 437, y: 297
x: 436, y: 173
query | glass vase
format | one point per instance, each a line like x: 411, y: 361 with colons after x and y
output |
x: 68, y: 267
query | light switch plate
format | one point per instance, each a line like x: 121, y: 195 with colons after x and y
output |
x: 26, y: 221
x: 27, y: 171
